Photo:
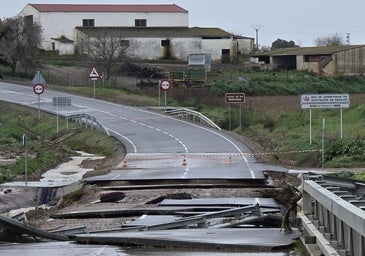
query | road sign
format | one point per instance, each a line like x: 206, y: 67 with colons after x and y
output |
x: 38, y: 78
x: 38, y: 89
x: 235, y: 97
x: 165, y: 85
x: 94, y: 75
x: 323, y: 101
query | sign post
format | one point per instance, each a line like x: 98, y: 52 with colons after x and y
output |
x: 94, y: 75
x: 324, y: 101
x: 235, y: 98
x: 38, y: 88
x: 25, y: 144
x: 323, y: 127
x: 165, y: 85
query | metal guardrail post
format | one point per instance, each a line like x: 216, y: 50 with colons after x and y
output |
x: 89, y: 122
x: 184, y: 112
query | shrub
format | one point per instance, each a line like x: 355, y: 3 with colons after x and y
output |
x: 348, y: 148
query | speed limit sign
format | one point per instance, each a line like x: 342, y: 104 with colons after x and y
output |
x: 165, y: 85
x: 38, y: 89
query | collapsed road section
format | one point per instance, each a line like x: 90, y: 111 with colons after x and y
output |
x: 237, y: 225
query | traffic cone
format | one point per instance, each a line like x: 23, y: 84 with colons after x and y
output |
x: 184, y: 161
x: 124, y: 163
x: 230, y: 159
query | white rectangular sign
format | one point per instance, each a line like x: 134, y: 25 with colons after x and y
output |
x: 309, y: 101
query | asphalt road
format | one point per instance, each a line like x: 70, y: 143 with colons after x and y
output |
x: 147, y: 133
x: 158, y: 147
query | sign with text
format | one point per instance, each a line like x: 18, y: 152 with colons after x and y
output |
x: 235, y: 97
x: 323, y: 101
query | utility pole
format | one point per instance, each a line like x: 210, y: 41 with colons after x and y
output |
x: 257, y: 28
x: 348, y: 38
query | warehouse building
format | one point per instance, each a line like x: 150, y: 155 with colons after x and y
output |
x: 325, y: 60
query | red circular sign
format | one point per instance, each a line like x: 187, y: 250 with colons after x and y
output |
x: 38, y: 89
x: 165, y: 85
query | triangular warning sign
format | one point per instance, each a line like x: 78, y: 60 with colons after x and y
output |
x: 38, y: 78
x: 94, y: 73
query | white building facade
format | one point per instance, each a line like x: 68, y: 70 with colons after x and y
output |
x: 64, y: 26
x: 60, y: 20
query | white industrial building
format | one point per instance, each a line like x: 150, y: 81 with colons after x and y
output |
x: 147, y: 31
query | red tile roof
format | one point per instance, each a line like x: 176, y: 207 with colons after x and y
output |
x: 108, y: 8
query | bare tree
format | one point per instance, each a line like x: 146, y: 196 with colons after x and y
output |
x: 19, y: 41
x: 331, y: 40
x: 107, y: 50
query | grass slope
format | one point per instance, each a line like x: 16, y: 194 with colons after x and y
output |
x: 47, y: 148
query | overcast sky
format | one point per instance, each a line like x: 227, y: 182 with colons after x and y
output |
x: 300, y: 21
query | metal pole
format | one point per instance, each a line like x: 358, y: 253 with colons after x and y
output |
x: 159, y: 94
x: 310, y: 126
x: 323, y: 127
x: 341, y: 123
x: 240, y: 116
x: 57, y: 115
x: 165, y: 101
x: 229, y: 116
x: 94, y: 87
x: 67, y: 114
x: 39, y: 107
x: 25, y: 143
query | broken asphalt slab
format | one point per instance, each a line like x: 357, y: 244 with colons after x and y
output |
x: 22, y: 228
x: 223, y: 238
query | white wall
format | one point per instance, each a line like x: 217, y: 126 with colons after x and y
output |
x: 245, y: 46
x: 150, y: 48
x: 64, y: 48
x: 57, y: 24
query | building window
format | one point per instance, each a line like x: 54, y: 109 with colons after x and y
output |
x: 140, y: 22
x: 28, y: 20
x: 88, y: 23
x: 165, y: 43
x: 124, y: 43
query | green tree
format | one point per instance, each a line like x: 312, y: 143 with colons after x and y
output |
x: 19, y: 41
x: 280, y: 43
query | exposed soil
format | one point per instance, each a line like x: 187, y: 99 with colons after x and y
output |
x: 88, y: 199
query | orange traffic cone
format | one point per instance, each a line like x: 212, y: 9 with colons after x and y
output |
x: 184, y: 161
x: 124, y: 163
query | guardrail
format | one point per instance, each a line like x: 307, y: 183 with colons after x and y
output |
x: 192, y: 114
x: 337, y: 225
x: 89, y: 122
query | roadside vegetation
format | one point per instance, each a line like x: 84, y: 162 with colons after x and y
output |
x: 271, y: 119
x: 45, y: 147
